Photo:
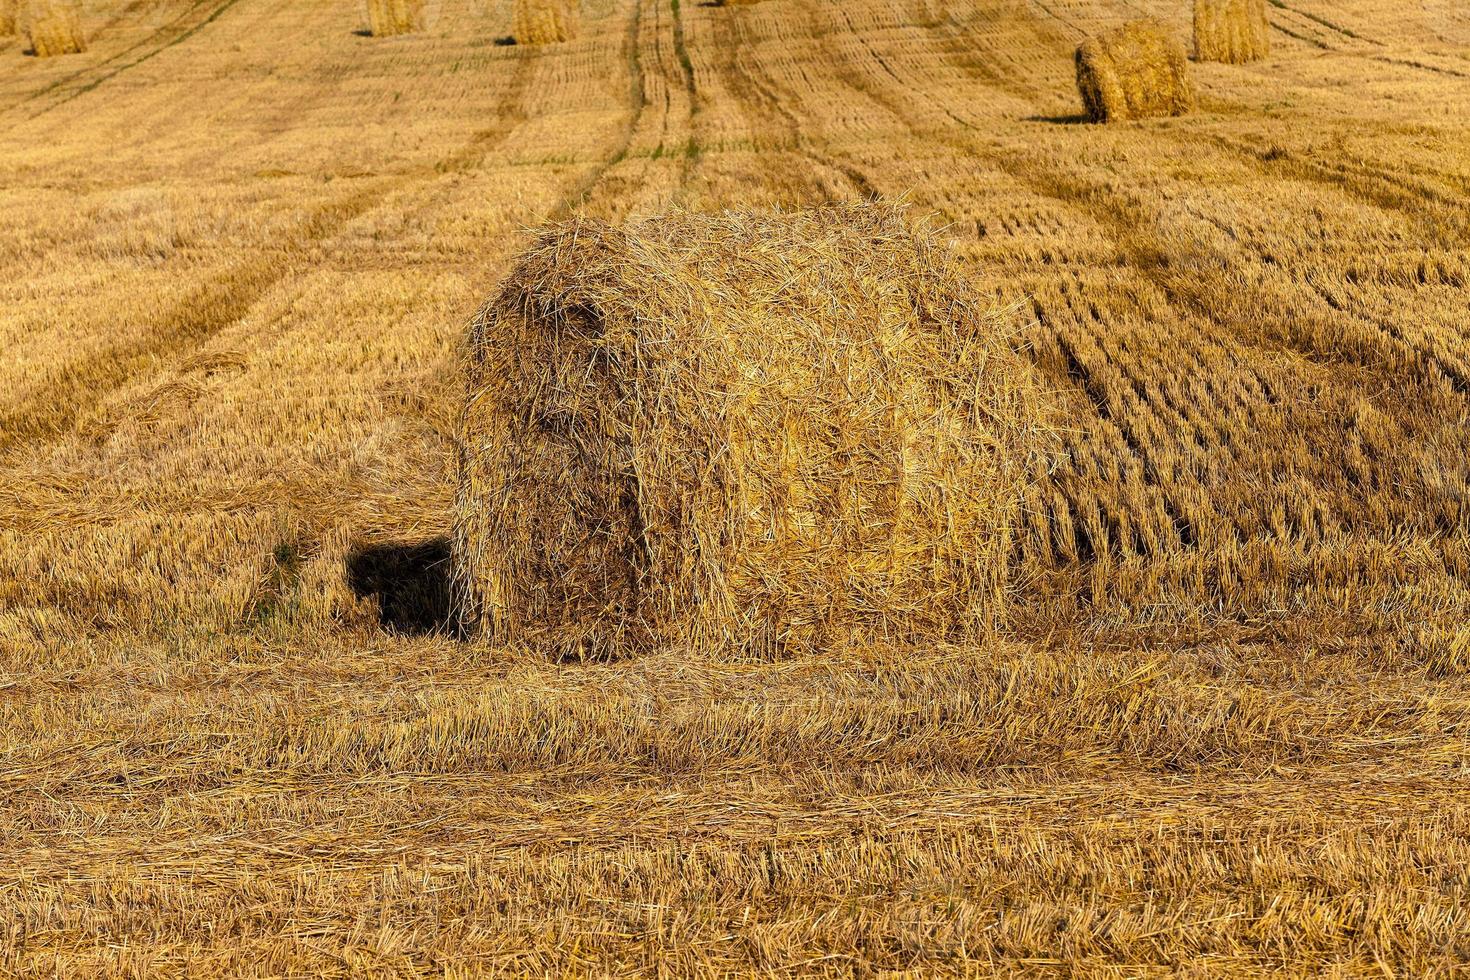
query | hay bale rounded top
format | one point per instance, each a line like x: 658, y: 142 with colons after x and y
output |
x: 1136, y: 71
x: 763, y: 431
x: 1231, y: 31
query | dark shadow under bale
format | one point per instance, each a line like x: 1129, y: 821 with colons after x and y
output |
x: 410, y: 581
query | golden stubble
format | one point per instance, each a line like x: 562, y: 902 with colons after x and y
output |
x: 1225, y: 728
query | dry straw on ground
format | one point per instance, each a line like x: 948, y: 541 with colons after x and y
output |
x: 7, y: 18
x: 545, y: 21
x: 54, y: 27
x: 1232, y: 727
x: 1136, y: 71
x: 1231, y: 31
x: 389, y: 17
x: 762, y: 431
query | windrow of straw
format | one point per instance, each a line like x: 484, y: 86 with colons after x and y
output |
x: 545, y: 21
x: 1231, y: 31
x: 1136, y: 71
x: 54, y: 27
x: 389, y: 17
x: 766, y: 432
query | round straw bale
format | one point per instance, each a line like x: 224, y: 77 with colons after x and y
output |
x: 545, y: 21
x: 389, y: 17
x: 769, y: 432
x: 1136, y: 71
x: 54, y: 27
x: 1231, y: 31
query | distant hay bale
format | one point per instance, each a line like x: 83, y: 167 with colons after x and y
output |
x: 1231, y: 31
x: 1136, y: 71
x: 762, y: 432
x: 54, y: 27
x: 389, y: 17
x: 545, y: 21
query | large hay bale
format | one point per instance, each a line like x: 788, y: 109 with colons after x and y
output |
x: 1136, y: 71
x: 762, y: 431
x: 1231, y: 31
x: 545, y: 21
x: 54, y: 27
x: 389, y: 17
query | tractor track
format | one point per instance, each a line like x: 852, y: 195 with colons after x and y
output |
x: 760, y: 95
x: 51, y: 410
x: 1128, y: 227
x: 175, y: 32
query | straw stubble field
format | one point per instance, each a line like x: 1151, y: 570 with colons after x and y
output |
x: 1225, y: 732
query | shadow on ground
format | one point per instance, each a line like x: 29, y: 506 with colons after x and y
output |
x: 410, y: 582
x: 1076, y: 119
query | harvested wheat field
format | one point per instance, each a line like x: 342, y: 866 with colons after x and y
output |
x: 1222, y: 728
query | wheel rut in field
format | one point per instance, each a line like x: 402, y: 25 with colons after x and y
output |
x: 1420, y: 66
x: 582, y: 191
x: 764, y: 105
x: 1129, y: 222
x: 1334, y: 28
x: 193, y: 20
x: 1131, y: 226
x: 51, y: 410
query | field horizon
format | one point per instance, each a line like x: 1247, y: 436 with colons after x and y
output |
x: 1224, y: 730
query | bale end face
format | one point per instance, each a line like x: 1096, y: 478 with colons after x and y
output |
x: 1234, y: 32
x: 54, y: 28
x: 387, y: 18
x: 545, y: 21
x: 766, y: 432
x: 1137, y: 71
